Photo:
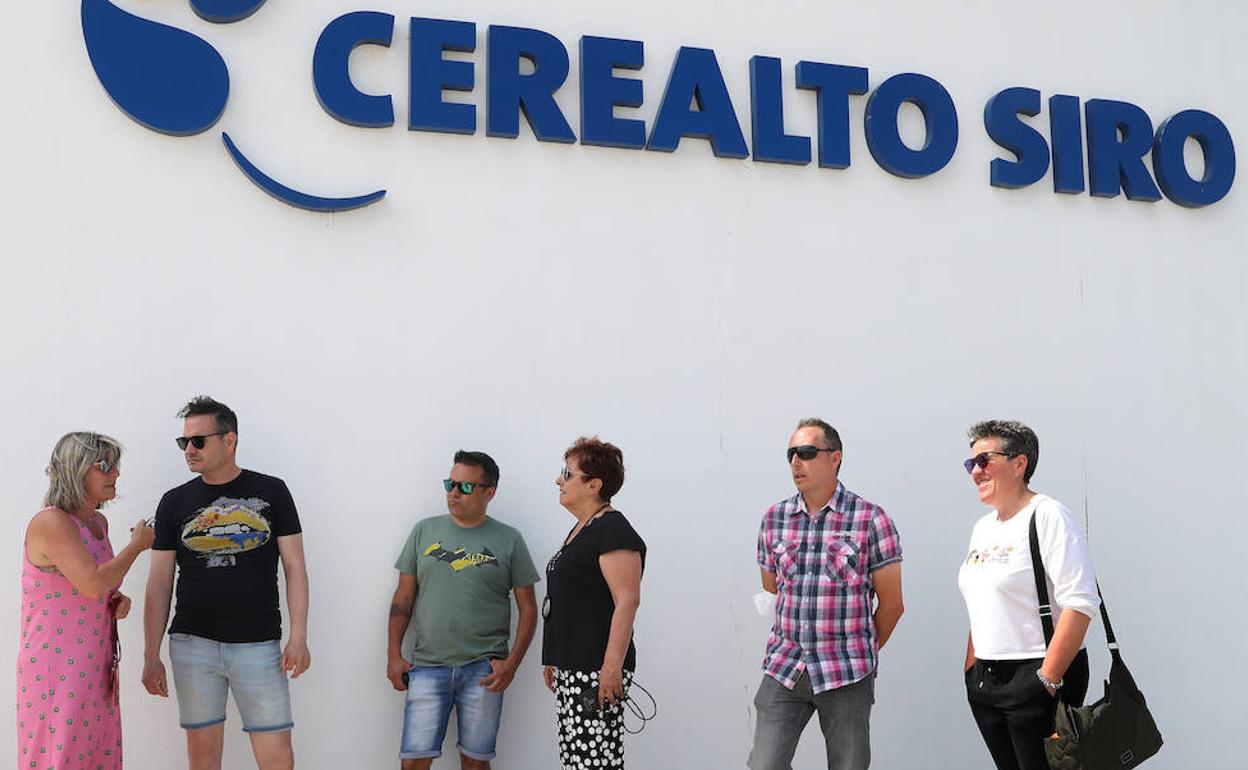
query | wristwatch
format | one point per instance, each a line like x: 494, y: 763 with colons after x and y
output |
x: 1049, y: 683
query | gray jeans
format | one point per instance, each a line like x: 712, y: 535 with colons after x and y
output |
x: 844, y: 717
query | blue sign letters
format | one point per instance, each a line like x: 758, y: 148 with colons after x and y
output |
x: 172, y: 81
x: 1119, y: 137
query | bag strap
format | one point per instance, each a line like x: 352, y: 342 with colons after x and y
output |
x: 1042, y: 588
x: 1042, y: 594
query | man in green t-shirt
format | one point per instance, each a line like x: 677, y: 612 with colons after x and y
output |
x: 457, y: 571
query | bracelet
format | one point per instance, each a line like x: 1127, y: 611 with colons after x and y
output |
x: 1049, y: 683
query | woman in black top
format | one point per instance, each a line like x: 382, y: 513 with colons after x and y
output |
x: 593, y: 589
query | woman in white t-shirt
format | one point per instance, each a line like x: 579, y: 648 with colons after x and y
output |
x: 1013, y: 679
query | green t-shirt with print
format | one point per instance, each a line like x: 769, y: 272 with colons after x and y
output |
x: 464, y: 580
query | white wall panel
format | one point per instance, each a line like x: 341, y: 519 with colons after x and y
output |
x: 509, y: 295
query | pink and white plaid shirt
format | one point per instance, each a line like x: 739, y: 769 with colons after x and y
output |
x: 823, y: 564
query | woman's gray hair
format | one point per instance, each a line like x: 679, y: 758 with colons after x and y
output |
x: 1016, y: 439
x: 72, y: 457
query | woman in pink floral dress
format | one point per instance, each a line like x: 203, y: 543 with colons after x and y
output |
x: 67, y: 714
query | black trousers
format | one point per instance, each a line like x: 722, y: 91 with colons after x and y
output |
x: 1015, y: 712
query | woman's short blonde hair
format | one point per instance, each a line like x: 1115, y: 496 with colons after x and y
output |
x: 72, y: 457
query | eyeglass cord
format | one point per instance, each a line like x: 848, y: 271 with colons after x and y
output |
x: 638, y: 711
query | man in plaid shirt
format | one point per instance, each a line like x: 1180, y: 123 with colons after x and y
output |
x: 833, y: 560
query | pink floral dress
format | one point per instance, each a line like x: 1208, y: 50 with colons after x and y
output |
x: 66, y: 715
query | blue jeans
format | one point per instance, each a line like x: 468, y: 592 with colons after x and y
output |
x: 844, y: 716
x: 205, y: 670
x: 431, y: 693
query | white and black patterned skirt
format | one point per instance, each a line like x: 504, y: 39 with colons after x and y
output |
x: 589, y: 739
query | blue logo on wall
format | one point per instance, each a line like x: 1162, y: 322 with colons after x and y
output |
x: 176, y: 83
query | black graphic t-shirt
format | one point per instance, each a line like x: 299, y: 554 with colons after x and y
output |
x: 578, y: 606
x: 226, y: 539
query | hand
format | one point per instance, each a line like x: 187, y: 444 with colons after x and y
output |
x: 154, y: 677
x: 296, y: 658
x: 548, y: 676
x: 500, y: 676
x: 395, y: 669
x: 143, y: 535
x: 121, y: 605
x: 610, y: 686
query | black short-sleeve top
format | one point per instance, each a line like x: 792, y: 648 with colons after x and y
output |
x: 226, y: 537
x: 578, y: 606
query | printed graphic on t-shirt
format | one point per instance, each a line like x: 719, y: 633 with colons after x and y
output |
x: 226, y: 527
x: 997, y: 554
x: 460, y: 558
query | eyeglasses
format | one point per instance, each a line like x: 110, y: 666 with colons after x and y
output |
x: 567, y: 473
x: 195, y: 441
x: 467, y: 487
x: 982, y: 459
x: 106, y: 466
x: 805, y: 451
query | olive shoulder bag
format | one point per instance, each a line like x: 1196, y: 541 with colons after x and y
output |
x: 1115, y: 733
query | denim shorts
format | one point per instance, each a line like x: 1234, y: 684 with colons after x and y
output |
x: 431, y: 692
x: 205, y: 670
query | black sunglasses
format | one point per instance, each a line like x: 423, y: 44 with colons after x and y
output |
x: 106, y: 467
x: 467, y: 487
x: 196, y: 441
x: 805, y: 452
x: 982, y: 459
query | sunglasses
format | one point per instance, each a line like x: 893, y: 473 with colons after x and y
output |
x: 467, y: 487
x: 195, y: 441
x: 982, y: 459
x: 805, y: 452
x: 567, y: 473
x: 106, y: 467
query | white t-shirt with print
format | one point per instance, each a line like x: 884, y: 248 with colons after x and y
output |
x: 1000, y: 590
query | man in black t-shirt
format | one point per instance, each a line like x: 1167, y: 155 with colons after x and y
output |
x: 225, y: 533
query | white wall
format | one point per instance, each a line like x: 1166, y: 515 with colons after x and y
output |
x: 511, y: 295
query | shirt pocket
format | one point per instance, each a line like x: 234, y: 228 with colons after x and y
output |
x: 785, y: 554
x: 843, y: 562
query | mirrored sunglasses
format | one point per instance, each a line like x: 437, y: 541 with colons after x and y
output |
x: 467, y: 487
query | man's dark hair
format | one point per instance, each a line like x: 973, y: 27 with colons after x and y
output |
x: 1016, y: 439
x: 227, y: 421
x: 830, y: 436
x: 479, y: 460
